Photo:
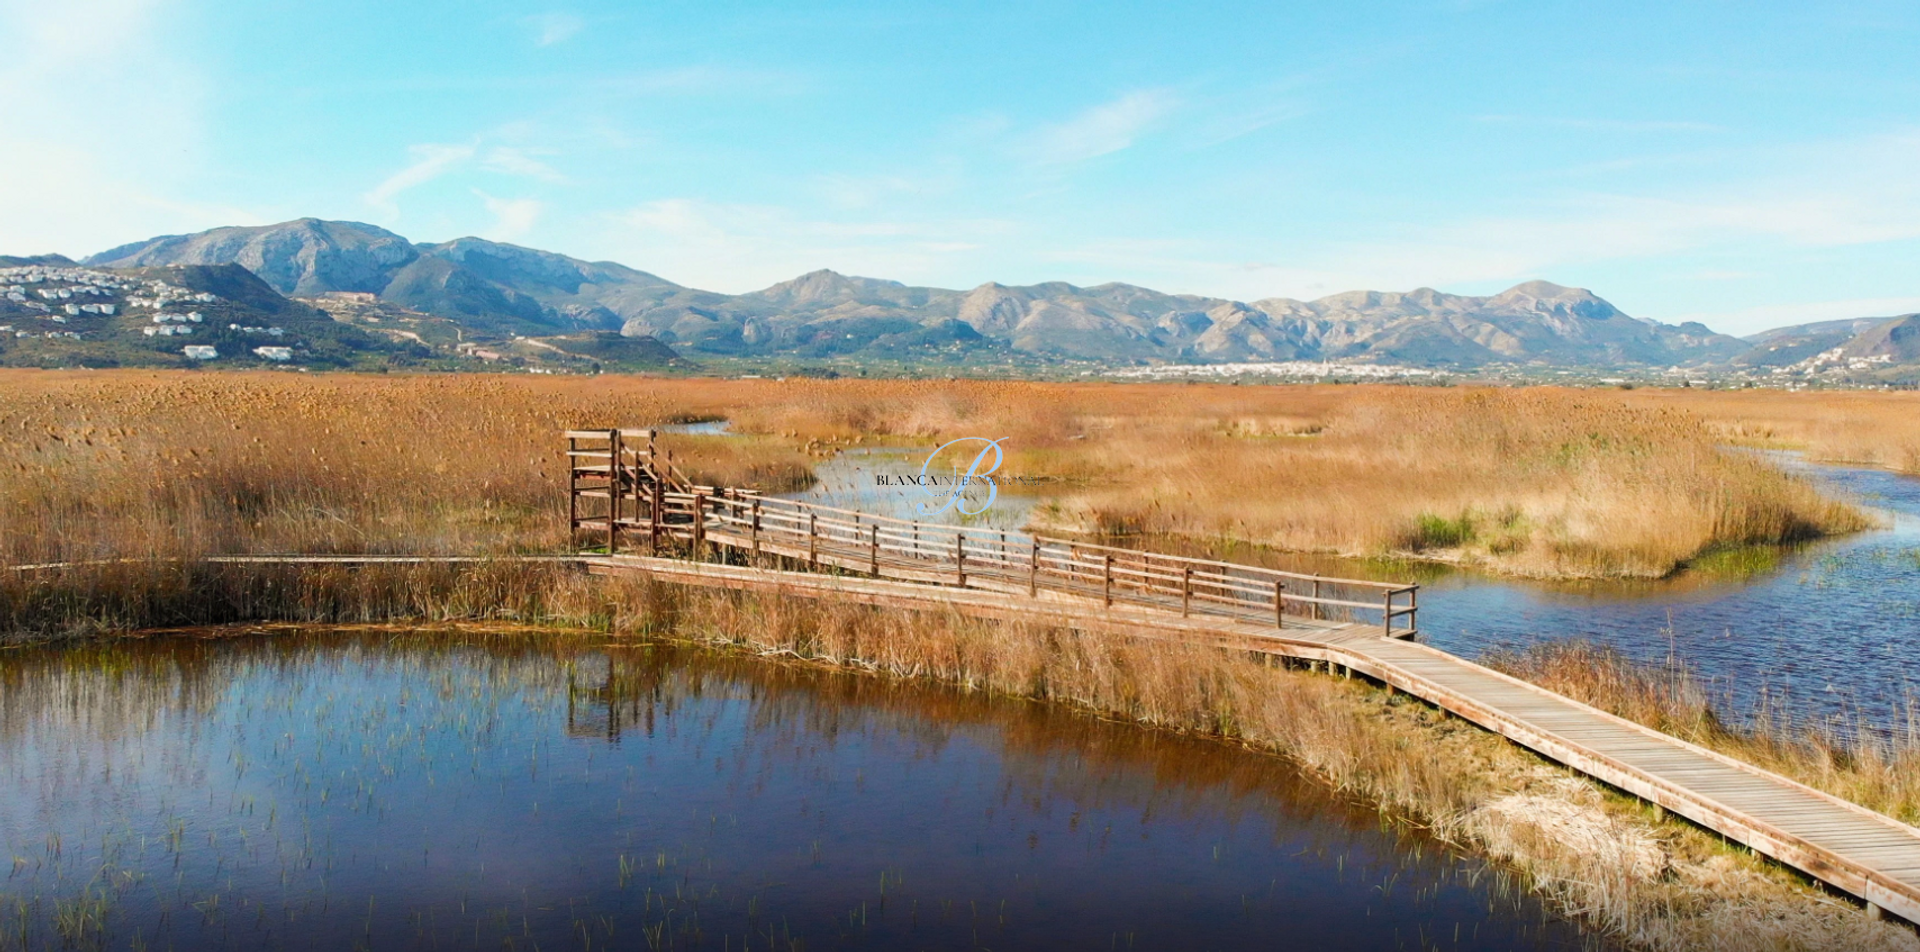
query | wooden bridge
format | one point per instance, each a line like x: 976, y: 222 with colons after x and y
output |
x: 629, y: 500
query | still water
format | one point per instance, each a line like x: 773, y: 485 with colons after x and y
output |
x: 1823, y: 632
x: 331, y: 790
x: 1827, y: 632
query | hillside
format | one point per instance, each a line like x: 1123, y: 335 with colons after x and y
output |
x: 57, y: 314
x: 505, y: 290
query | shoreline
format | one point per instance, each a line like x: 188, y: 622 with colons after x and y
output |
x: 1567, y: 835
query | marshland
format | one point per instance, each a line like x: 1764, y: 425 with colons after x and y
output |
x: 1579, y: 501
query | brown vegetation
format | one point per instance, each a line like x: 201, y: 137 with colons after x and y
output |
x: 1876, y: 769
x: 1872, y: 429
x: 1539, y: 482
x: 109, y: 466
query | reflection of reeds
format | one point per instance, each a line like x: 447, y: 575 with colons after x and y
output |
x: 1683, y: 890
x: 1874, y: 768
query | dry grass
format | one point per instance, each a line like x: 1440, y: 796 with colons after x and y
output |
x: 1873, y: 429
x: 1536, y: 482
x: 1540, y: 482
x: 1598, y: 856
x: 1878, y: 770
x: 1595, y: 855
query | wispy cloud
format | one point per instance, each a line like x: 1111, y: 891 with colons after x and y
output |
x: 554, y: 27
x: 1103, y: 129
x: 510, y: 160
x: 512, y: 217
x: 429, y: 162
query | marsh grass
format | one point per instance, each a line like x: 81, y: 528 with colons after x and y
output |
x: 1597, y: 855
x: 1878, y: 769
x: 1536, y: 482
x: 1880, y: 429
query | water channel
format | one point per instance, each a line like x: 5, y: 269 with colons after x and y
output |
x: 1827, y: 632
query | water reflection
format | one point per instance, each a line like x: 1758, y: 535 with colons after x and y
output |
x: 334, y: 790
x: 1826, y: 632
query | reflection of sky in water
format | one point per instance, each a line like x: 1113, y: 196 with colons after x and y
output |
x: 332, y: 791
x: 848, y: 481
x: 1833, y: 630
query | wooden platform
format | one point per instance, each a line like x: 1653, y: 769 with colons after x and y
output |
x: 1849, y: 847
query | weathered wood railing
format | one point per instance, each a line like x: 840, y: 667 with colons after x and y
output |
x: 646, y: 502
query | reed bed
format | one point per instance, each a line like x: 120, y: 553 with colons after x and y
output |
x: 1656, y: 884
x: 1537, y: 482
x: 1878, y: 769
x: 1880, y: 429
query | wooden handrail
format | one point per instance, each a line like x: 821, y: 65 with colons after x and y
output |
x: 659, y: 498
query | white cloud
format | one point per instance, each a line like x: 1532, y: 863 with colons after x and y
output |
x: 1103, y: 129
x: 512, y: 217
x: 429, y: 163
x: 555, y: 27
x: 516, y: 161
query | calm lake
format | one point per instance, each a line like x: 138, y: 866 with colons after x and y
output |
x: 329, y: 789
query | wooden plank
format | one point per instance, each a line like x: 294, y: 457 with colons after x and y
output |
x: 1200, y: 601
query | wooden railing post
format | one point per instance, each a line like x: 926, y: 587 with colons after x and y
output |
x: 616, y: 487
x: 699, y: 526
x: 1107, y: 581
x: 1319, y: 611
x: 1386, y: 622
x: 873, y: 550
x: 755, y: 531
x: 1033, y: 569
x: 1186, y: 591
x: 1279, y: 604
x: 813, y: 539
x: 960, y: 557
x: 656, y: 518
x: 573, y: 494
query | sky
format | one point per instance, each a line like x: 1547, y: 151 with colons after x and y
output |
x: 1743, y: 164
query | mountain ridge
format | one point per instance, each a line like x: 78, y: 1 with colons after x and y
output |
x: 510, y: 289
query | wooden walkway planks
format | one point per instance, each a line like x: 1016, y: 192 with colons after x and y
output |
x: 1854, y: 849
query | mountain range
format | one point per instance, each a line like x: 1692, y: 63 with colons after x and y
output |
x: 506, y: 291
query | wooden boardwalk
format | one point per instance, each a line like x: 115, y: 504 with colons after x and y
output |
x: 832, y: 553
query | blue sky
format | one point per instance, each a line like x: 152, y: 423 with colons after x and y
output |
x: 1746, y: 164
